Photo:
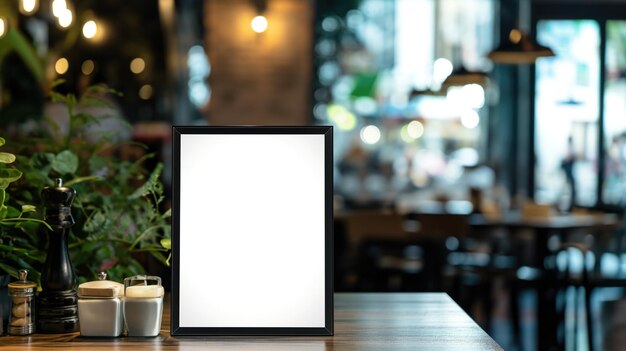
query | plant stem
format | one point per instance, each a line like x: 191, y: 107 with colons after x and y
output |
x: 27, y: 220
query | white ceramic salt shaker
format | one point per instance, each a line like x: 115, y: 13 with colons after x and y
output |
x: 100, y: 307
x: 143, y: 305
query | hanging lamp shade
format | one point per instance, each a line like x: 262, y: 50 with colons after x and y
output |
x: 425, y: 92
x: 462, y: 76
x: 518, y: 49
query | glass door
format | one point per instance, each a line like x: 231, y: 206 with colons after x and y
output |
x: 614, y: 184
x: 567, y: 111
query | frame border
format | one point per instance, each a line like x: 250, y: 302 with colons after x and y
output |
x: 328, y: 329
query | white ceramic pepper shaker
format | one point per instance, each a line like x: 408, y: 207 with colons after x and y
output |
x: 143, y: 305
x: 100, y: 307
x: 22, y: 316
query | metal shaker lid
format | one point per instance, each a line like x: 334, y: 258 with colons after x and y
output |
x: 22, y: 285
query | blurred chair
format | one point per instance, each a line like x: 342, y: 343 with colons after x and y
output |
x: 580, y: 267
x: 388, y: 254
x: 478, y: 263
x: 466, y: 260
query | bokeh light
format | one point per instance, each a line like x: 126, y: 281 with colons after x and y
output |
x: 58, y: 8
x: 66, y: 18
x: 415, y: 129
x: 137, y: 65
x: 370, y: 134
x: 90, y: 29
x: 145, y: 92
x: 442, y: 68
x: 341, y: 116
x: 87, y: 67
x: 3, y: 29
x: 474, y: 95
x: 259, y: 24
x: 62, y: 65
x: 470, y: 119
x: 28, y: 6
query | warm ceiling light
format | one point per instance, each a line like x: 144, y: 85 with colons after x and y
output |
x: 58, y: 8
x: 87, y: 67
x: 90, y: 29
x: 62, y: 65
x: 137, y: 65
x: 28, y: 6
x: 515, y: 36
x: 66, y: 18
x: 259, y: 24
x: 3, y: 28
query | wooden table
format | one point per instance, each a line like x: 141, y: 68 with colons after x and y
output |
x: 363, y: 321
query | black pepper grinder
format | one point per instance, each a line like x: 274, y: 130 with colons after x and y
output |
x: 57, y: 310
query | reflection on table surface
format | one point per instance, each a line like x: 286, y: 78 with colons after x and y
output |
x: 363, y: 321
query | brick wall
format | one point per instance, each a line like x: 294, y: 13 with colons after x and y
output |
x: 265, y: 78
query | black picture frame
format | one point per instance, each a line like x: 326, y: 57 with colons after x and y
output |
x: 309, y: 310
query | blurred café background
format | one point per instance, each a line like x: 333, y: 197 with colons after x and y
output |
x: 480, y: 145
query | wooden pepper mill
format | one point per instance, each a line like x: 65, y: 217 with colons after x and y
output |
x: 57, y: 310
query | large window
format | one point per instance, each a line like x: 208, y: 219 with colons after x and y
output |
x: 580, y: 109
x: 614, y: 185
x: 567, y: 113
x: 380, y: 69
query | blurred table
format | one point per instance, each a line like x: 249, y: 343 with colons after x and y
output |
x: 544, y: 227
x: 363, y: 321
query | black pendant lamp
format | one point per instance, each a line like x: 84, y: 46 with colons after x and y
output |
x: 518, y: 49
x: 462, y: 76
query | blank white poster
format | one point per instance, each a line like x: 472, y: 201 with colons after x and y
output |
x: 252, y: 230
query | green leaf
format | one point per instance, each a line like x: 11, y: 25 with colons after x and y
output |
x: 167, y: 213
x: 10, y: 174
x: 7, y: 176
x: 70, y: 99
x: 6, y: 157
x: 31, y: 220
x: 95, y: 101
x: 2, y: 141
x: 28, y: 208
x: 166, y: 243
x: 56, y: 97
x: 12, y: 211
x: 65, y: 162
x: 41, y: 160
x: 151, y: 185
x: 82, y: 120
x: 98, y: 165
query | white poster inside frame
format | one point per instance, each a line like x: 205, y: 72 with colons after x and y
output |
x: 252, y: 223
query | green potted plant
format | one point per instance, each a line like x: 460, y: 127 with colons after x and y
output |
x: 119, y: 211
x: 15, y: 249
